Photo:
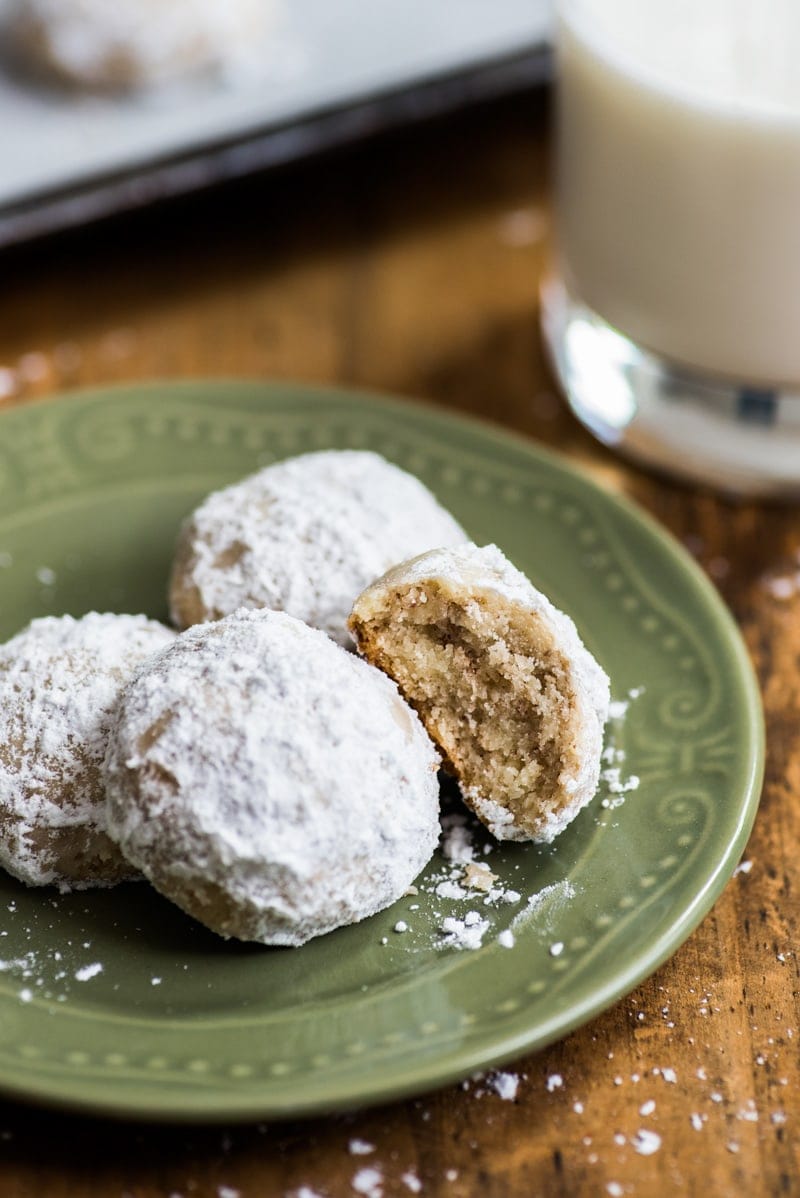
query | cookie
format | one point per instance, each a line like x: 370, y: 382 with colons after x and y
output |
x: 60, y: 681
x: 304, y: 536
x: 500, y: 679
x: 127, y: 44
x: 271, y: 784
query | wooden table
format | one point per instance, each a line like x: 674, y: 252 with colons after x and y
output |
x: 412, y: 266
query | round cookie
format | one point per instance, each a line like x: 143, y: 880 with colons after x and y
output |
x: 304, y: 536
x: 60, y: 681
x: 271, y: 784
x: 124, y: 44
x: 501, y: 680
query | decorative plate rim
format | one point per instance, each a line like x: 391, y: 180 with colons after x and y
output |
x: 449, y: 1065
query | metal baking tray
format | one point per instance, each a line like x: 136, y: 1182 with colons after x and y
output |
x: 337, y: 71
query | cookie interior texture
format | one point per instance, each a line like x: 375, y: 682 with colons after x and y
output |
x: 495, y: 693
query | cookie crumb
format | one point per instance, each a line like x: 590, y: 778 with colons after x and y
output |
x: 369, y: 1182
x: 358, y: 1147
x: 505, y: 1085
x: 646, y: 1142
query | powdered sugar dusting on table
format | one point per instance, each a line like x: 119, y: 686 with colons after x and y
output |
x: 505, y: 1085
x: 368, y: 1182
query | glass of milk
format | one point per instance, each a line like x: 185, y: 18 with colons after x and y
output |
x: 673, y: 318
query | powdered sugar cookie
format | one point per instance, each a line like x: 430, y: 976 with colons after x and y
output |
x: 304, y: 536
x: 500, y: 679
x: 121, y: 44
x: 60, y: 680
x: 271, y: 784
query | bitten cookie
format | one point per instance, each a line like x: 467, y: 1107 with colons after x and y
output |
x: 501, y: 680
x: 60, y: 681
x: 304, y: 536
x: 271, y: 784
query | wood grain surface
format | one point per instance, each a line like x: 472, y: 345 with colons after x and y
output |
x: 412, y: 265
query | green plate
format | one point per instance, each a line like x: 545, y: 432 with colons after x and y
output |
x: 182, y: 1025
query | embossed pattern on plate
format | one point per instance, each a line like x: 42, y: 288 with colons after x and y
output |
x: 179, y: 1024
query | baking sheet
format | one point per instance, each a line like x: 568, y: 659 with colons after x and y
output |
x: 333, y: 71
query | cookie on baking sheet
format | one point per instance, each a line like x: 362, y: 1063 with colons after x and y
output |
x: 60, y: 681
x: 304, y: 536
x: 270, y: 783
x: 501, y: 680
x: 126, y: 44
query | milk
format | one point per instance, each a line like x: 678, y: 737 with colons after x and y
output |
x: 679, y: 177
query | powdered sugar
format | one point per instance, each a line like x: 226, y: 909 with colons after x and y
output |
x: 646, y: 1142
x: 87, y: 972
x: 368, y: 1182
x: 305, y: 536
x: 60, y: 682
x: 357, y: 1147
x: 44, y: 970
x: 555, y: 897
x: 469, y: 917
x: 457, y: 843
x: 613, y: 757
x: 505, y: 1085
x: 462, y: 878
x: 256, y: 759
x: 464, y: 933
